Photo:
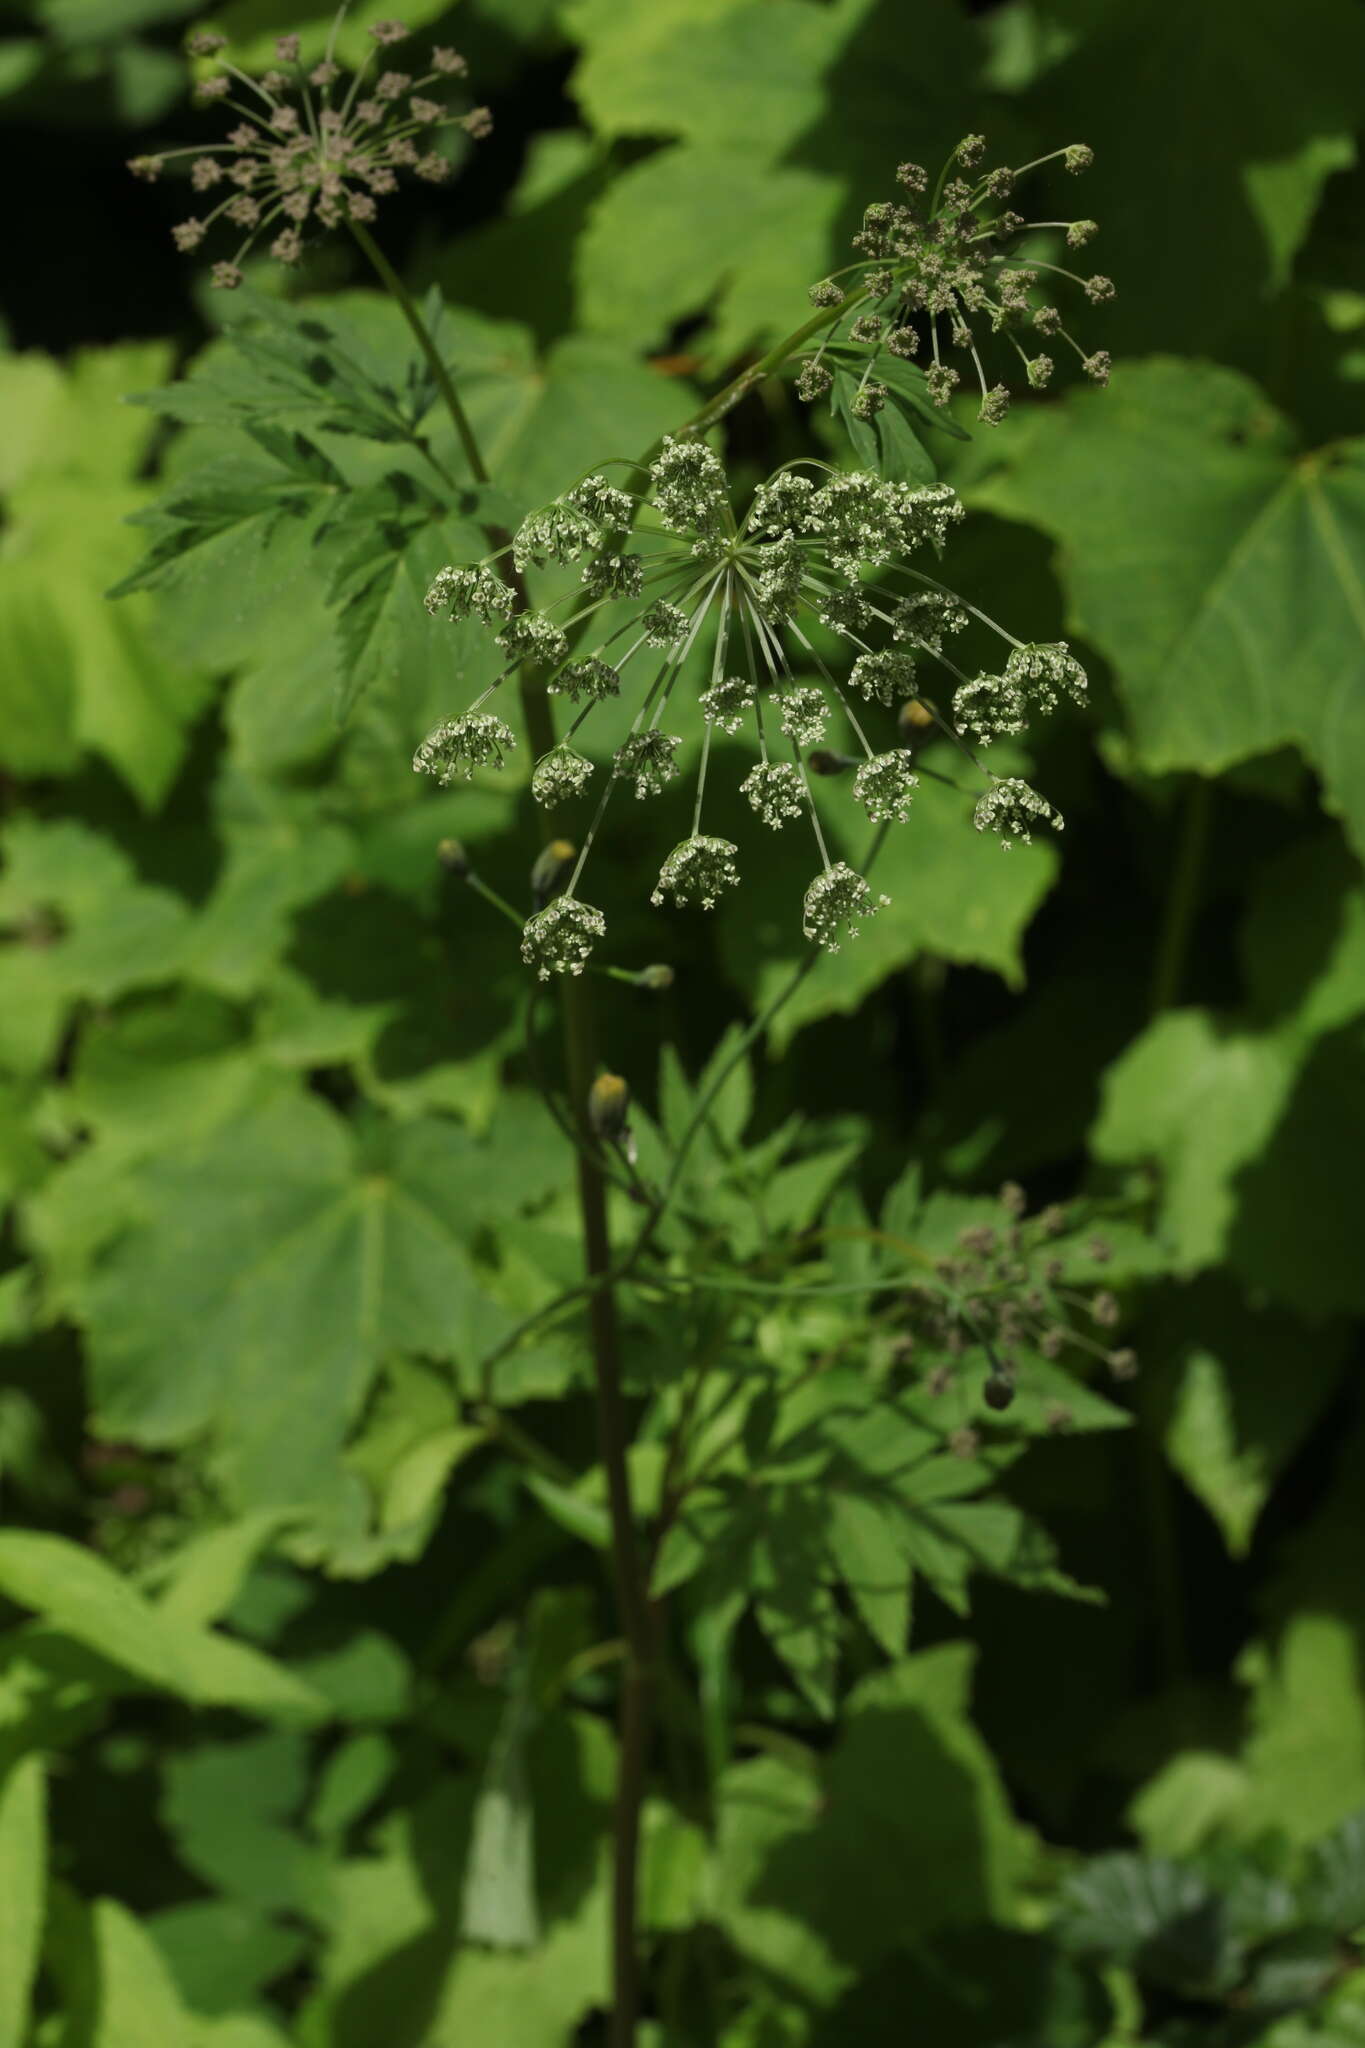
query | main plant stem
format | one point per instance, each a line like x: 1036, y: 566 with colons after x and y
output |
x: 613, y: 1438
x: 613, y: 1433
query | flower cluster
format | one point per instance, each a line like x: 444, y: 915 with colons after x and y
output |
x: 827, y: 555
x: 931, y: 271
x: 312, y: 148
x: 1003, y: 1291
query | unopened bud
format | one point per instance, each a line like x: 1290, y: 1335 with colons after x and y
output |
x: 915, y: 722
x: 551, y: 870
x: 608, y: 1107
x: 656, y: 978
x: 1122, y: 1364
x: 453, y: 858
x: 824, y: 761
x: 998, y: 1391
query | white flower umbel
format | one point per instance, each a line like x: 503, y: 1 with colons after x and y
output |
x: 836, y: 903
x: 803, y: 715
x: 948, y: 270
x: 1010, y: 807
x: 1045, y: 673
x: 648, y: 757
x: 469, y: 593
x: 592, y: 679
x: 559, y: 775
x: 678, y: 605
x: 989, y: 707
x: 776, y: 792
x: 697, y: 871
x: 885, y: 786
x: 559, y: 939
x: 454, y: 750
x: 886, y: 677
x: 727, y: 702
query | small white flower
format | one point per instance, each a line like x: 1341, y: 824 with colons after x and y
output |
x: 697, y: 871
x: 460, y: 593
x: 1010, y: 807
x: 775, y: 791
x: 663, y: 625
x: 455, y: 749
x: 648, y: 756
x: 886, y: 677
x: 885, y: 785
x: 989, y: 706
x: 726, y: 702
x: 559, y: 775
x: 558, y: 939
x: 803, y: 715
x: 591, y: 678
x: 529, y: 636
x: 836, y: 902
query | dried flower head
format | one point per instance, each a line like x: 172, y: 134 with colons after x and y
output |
x: 733, y: 603
x: 309, y: 151
x: 941, y: 270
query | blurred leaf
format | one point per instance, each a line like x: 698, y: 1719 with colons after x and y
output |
x: 229, y: 1807
x: 1160, y: 1917
x: 1333, y: 1885
x: 23, y: 1885
x: 81, y: 1595
x: 79, y: 674
x: 1214, y: 569
x: 1190, y: 1799
x: 1240, y: 1391
x: 222, y: 1955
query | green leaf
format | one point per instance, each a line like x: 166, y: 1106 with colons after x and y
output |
x: 280, y: 1260
x: 1257, y: 155
x: 739, y: 216
x: 869, y: 1554
x: 1333, y: 1883
x: 23, y: 1886
x: 1215, y: 570
x: 137, y: 2000
x: 78, y: 674
x: 904, y: 1831
x: 223, y: 1955
x: 84, y: 1597
x: 229, y: 1807
x: 1305, y: 1752
x: 1158, y: 1916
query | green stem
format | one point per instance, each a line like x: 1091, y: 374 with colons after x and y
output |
x: 738, y: 387
x: 613, y: 1434
x: 613, y: 1429
x: 407, y: 306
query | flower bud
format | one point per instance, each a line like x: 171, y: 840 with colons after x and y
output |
x: 998, y: 1391
x: 550, y: 870
x: 608, y: 1107
x: 656, y: 978
x: 453, y: 858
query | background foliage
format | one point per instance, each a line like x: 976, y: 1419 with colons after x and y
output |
x: 303, y: 1729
